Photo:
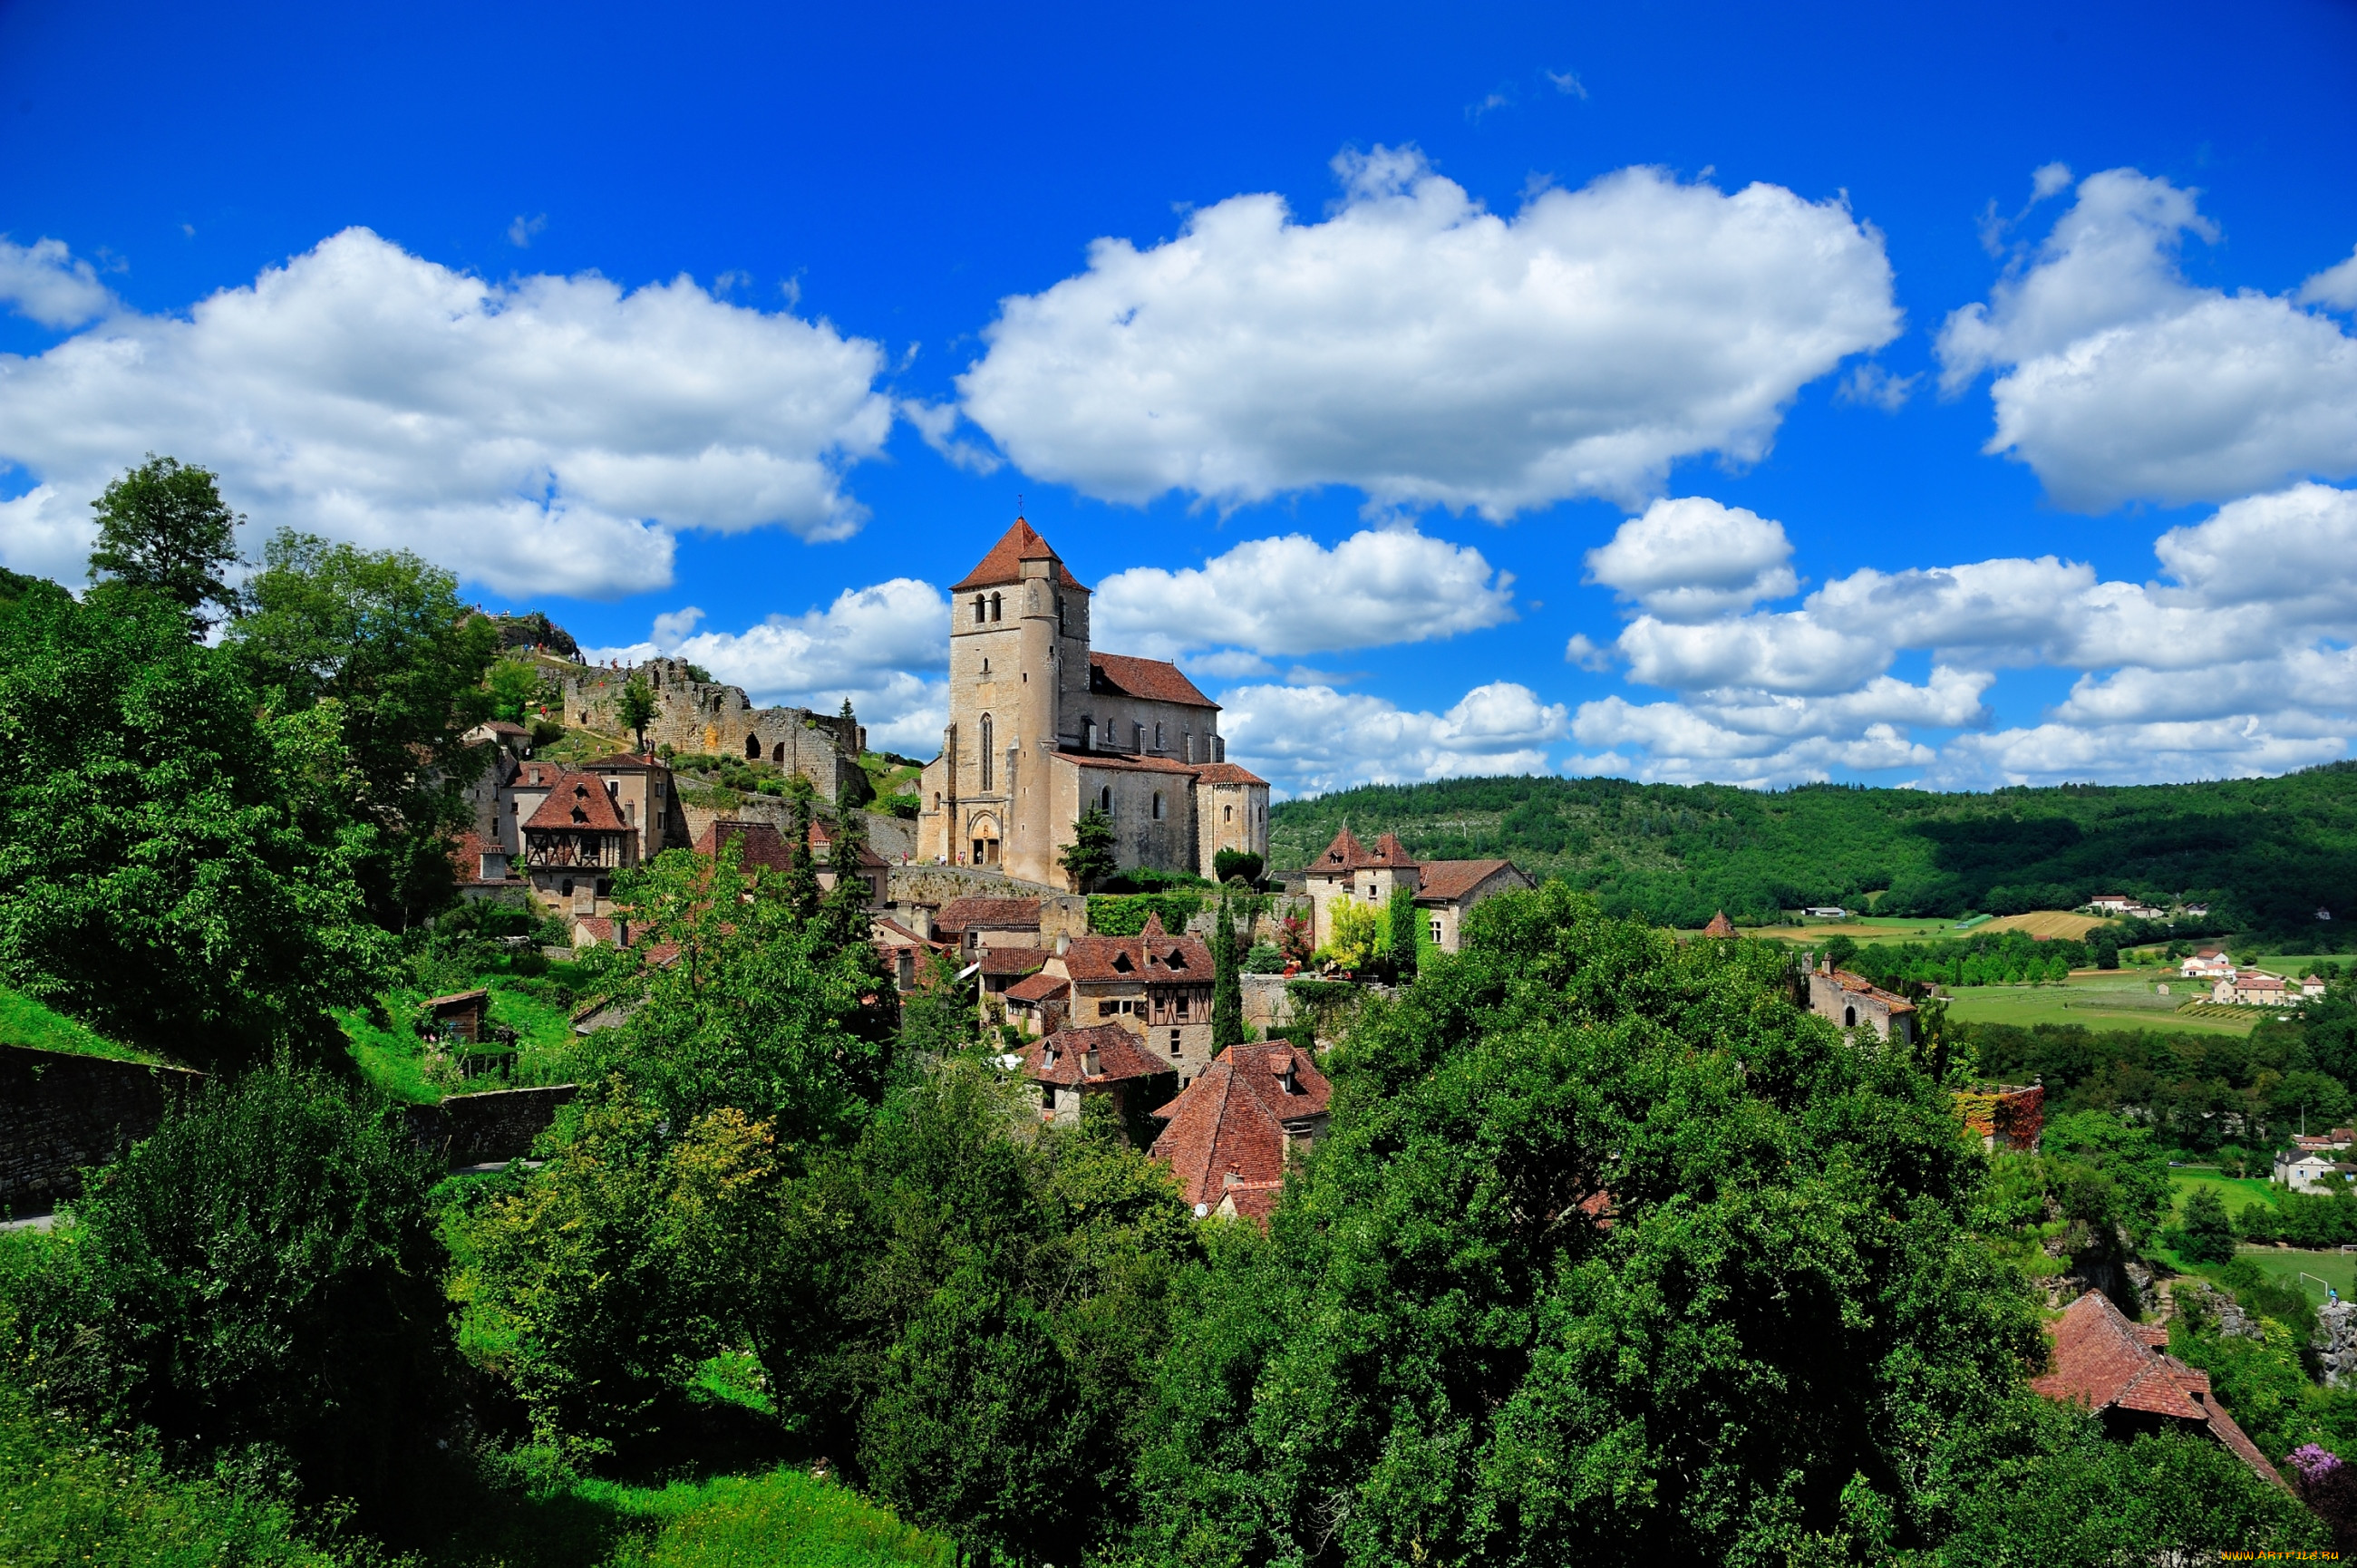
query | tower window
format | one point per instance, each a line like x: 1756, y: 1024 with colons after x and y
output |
x: 1158, y: 805
x: 995, y: 606
x: 987, y: 732
x: 1227, y: 814
x: 979, y: 606
x: 1157, y: 736
x: 1105, y: 800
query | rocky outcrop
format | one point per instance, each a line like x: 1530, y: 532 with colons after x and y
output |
x: 2336, y: 1343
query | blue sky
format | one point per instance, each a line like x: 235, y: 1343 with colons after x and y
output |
x: 1451, y: 390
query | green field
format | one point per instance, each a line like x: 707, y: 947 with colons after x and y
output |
x: 2105, y: 1000
x: 2337, y: 1270
x: 2239, y: 1192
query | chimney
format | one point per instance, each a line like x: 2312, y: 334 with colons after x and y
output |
x: 920, y: 920
x: 1089, y: 1062
x: 1063, y: 943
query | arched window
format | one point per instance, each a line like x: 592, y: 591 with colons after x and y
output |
x: 1105, y: 800
x: 995, y: 606
x: 1849, y: 1017
x: 778, y: 754
x: 986, y: 731
x: 1158, y: 735
x: 981, y: 609
x: 752, y: 748
x: 1227, y: 814
x: 1158, y: 805
x: 937, y: 799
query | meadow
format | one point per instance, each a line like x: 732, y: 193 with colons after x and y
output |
x: 2099, y: 999
x: 2238, y: 1192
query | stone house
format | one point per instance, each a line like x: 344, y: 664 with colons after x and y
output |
x: 2313, y: 1169
x: 1231, y: 1134
x: 1102, y: 1059
x: 2117, y: 1369
x: 765, y: 846
x: 1039, y: 1003
x: 2250, y: 988
x: 576, y: 841
x: 1850, y: 1000
x: 980, y: 921
x: 1157, y: 985
x: 1446, y: 891
x: 1043, y: 729
x: 908, y: 951
x: 998, y: 969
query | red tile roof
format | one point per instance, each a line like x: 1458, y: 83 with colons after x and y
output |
x: 980, y: 909
x: 1003, y: 564
x: 1062, y: 1056
x: 467, y: 859
x: 999, y: 963
x: 537, y: 775
x: 883, y: 926
x: 2103, y: 1361
x: 1154, y: 680
x: 1230, y: 1124
x: 1446, y: 881
x: 1347, y: 853
x: 577, y: 802
x: 1131, y: 762
x: 1865, y: 987
x: 758, y: 844
x: 1040, y: 987
x: 1720, y: 925
x: 1152, y: 956
x: 822, y: 847
x: 1226, y: 773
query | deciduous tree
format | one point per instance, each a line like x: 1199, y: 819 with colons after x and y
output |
x: 164, y: 527
x: 1089, y: 858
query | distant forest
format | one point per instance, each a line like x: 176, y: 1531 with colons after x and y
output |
x: 2265, y: 853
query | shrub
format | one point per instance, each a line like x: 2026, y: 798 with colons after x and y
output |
x: 257, y: 1282
x: 1265, y: 959
x: 1231, y: 864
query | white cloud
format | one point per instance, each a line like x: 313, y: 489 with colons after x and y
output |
x: 1309, y: 739
x: 2239, y: 661
x: 522, y: 231
x: 1429, y: 352
x: 2335, y: 287
x: 549, y: 435
x: 1292, y: 595
x: 1871, y: 386
x: 1690, y: 559
x: 45, y: 284
x: 884, y: 647
x: 2120, y: 381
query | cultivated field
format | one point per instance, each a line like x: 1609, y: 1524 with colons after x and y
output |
x: 2046, y: 923
x: 2099, y: 999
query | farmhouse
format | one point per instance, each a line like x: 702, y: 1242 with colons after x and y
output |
x: 1044, y: 729
x: 2117, y: 1370
x: 1446, y: 891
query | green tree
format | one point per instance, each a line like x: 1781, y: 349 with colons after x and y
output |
x: 1089, y: 859
x: 258, y: 1281
x: 178, y: 866
x: 164, y: 527
x: 382, y: 636
x: 1227, y: 990
x: 1231, y: 864
x: 937, y: 1016
x: 514, y: 686
x: 2208, y: 1236
x: 637, y: 707
x: 1358, y: 935
x: 801, y: 888
x: 1402, y: 931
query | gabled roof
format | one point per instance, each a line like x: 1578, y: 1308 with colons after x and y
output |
x: 1154, y: 680
x: 2102, y: 1361
x: 883, y: 927
x: 1230, y: 1122
x: 1040, y: 987
x: 822, y: 847
x: 758, y: 844
x: 980, y: 909
x: 1226, y: 773
x: 577, y: 802
x: 1347, y: 853
x: 1446, y: 881
x: 1862, y: 986
x: 1343, y: 854
x: 999, y: 963
x: 1062, y: 1057
x: 536, y: 775
x: 1153, y: 956
x: 1003, y: 564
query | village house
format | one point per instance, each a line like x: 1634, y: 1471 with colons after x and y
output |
x: 908, y: 946
x: 762, y: 844
x: 2250, y: 988
x: 1231, y: 1134
x: 1039, y: 1003
x: 1446, y: 891
x: 1850, y: 1000
x: 2117, y: 1370
x: 1099, y: 1059
x: 2008, y: 1118
x: 1157, y: 985
x: 2313, y: 1169
x: 1043, y: 729
x: 998, y: 969
x: 2207, y: 965
x: 975, y: 923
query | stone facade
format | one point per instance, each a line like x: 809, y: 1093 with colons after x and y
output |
x: 1043, y: 729
x: 1850, y: 1000
x: 706, y: 718
x: 1446, y: 891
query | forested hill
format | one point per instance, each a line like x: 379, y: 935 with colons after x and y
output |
x: 2265, y: 853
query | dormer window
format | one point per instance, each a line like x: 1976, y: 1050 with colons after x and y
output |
x: 1121, y: 961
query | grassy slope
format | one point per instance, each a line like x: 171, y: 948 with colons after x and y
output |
x: 25, y: 1022
x: 2268, y: 851
x: 2239, y: 1192
x: 395, y: 1059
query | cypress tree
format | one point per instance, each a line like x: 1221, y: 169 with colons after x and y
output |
x: 1403, y: 914
x: 1227, y: 991
x: 802, y: 870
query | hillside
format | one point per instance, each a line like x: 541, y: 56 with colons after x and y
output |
x: 2265, y: 853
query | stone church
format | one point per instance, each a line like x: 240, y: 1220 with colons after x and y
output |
x: 1042, y: 728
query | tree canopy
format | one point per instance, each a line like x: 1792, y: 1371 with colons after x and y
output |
x: 164, y: 527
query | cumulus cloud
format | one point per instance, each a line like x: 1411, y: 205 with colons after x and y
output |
x: 548, y: 434
x: 885, y: 648
x: 1429, y: 352
x: 2238, y: 660
x: 2119, y: 380
x: 1690, y: 559
x: 46, y: 283
x: 1292, y: 595
x: 1309, y: 739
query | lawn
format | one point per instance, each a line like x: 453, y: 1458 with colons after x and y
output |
x: 2106, y: 999
x: 2239, y: 1192
x: 396, y: 1061
x: 2337, y: 1270
x: 25, y: 1022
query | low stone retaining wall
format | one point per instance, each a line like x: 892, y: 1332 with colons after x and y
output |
x: 61, y: 1113
x: 487, y: 1128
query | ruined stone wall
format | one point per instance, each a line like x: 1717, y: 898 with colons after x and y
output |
x: 488, y: 1128
x: 60, y: 1112
x: 707, y: 718
x: 888, y: 835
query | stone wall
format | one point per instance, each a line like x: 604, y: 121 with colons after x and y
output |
x: 60, y: 1113
x: 888, y: 835
x: 706, y: 717
x: 488, y: 1128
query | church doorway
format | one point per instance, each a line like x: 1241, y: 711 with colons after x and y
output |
x: 984, y: 835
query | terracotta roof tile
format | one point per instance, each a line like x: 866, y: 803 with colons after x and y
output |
x: 1446, y: 881
x: 1003, y: 564
x: 2101, y: 1360
x: 577, y: 802
x: 1865, y: 987
x: 759, y: 844
x: 1151, y: 957
x: 980, y: 910
x: 1040, y: 987
x: 1347, y: 853
x: 1132, y: 762
x: 1154, y: 680
x: 1230, y: 1122
x: 1720, y: 925
x: 1062, y: 1057
x: 1001, y: 963
x: 1226, y: 773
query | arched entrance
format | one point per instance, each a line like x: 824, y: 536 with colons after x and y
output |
x: 984, y: 834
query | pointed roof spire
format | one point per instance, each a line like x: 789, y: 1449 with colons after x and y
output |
x: 1153, y: 925
x: 1720, y: 925
x: 1344, y: 854
x: 1004, y: 564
